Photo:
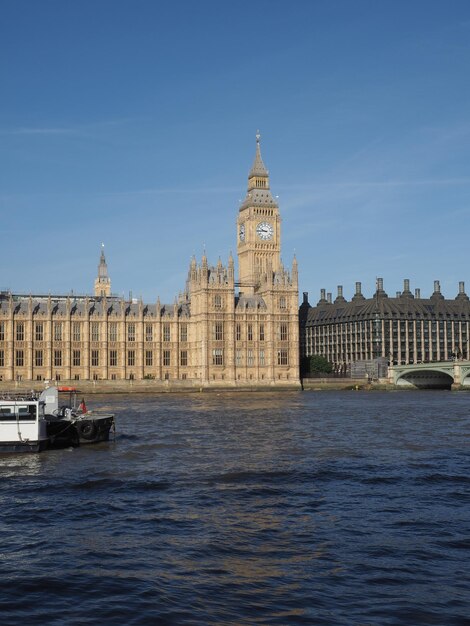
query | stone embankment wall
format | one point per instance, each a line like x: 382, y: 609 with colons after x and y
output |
x: 140, y: 386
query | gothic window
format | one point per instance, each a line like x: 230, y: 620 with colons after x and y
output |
x: 95, y: 331
x: 238, y: 357
x: 76, y: 358
x: 131, y: 332
x: 166, y: 358
x: 282, y: 303
x: 283, y: 335
x: 148, y: 332
x: 184, y: 358
x: 57, y: 358
x: 184, y: 332
x: 218, y: 301
x: 113, y: 334
x: 261, y: 358
x: 76, y: 331
x: 217, y: 356
x: 261, y: 332
x: 282, y: 357
x: 38, y: 358
x: 249, y: 359
x: 2, y: 331
x: 113, y: 361
x: 58, y: 327
x: 131, y: 358
x: 39, y: 331
x: 218, y: 331
x: 238, y: 332
x: 166, y: 332
x: 95, y: 358
x: 2, y: 358
x: 148, y: 358
x: 19, y: 331
x: 250, y: 332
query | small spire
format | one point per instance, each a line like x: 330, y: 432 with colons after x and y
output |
x: 102, y: 282
x: 258, y: 168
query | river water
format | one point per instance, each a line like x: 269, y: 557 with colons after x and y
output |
x: 325, y: 508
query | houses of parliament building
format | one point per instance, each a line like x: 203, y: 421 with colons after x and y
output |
x: 220, y: 331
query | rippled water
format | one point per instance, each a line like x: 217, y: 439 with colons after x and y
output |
x: 348, y: 508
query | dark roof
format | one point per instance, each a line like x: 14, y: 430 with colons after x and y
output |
x: 402, y: 307
x: 78, y: 306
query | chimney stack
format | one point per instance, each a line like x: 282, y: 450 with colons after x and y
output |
x: 339, y: 297
x: 358, y: 295
x: 462, y: 295
x: 437, y: 291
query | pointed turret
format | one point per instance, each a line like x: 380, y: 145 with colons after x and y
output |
x: 295, y: 271
x: 231, y: 268
x: 102, y: 282
x: 258, y: 168
x: 258, y: 193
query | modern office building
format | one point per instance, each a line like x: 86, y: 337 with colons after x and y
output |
x: 402, y: 329
x: 220, y: 331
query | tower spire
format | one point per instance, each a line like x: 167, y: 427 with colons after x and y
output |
x: 258, y: 168
x: 259, y: 193
x: 102, y: 282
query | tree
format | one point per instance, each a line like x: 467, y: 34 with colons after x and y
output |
x: 316, y: 364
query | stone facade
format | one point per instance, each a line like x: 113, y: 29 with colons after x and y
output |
x: 218, y: 332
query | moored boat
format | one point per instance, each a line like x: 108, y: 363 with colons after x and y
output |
x: 34, y: 422
x: 91, y: 426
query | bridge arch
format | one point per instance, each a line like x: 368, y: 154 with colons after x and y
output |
x: 435, y: 378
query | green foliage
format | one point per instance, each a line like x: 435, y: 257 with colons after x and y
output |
x: 316, y: 364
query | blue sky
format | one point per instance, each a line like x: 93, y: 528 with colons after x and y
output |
x: 133, y: 123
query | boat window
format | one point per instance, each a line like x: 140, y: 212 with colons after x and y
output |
x: 24, y: 412
x: 27, y: 412
x: 7, y: 413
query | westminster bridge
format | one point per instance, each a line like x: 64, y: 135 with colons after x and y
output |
x: 438, y: 375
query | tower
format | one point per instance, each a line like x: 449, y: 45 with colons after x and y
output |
x: 258, y: 228
x: 102, y: 282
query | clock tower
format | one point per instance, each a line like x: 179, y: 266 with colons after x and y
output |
x: 258, y: 229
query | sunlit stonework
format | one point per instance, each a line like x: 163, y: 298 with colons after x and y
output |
x: 219, y: 331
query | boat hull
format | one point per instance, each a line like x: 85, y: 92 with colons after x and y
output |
x: 93, y: 429
x: 18, y: 446
x: 62, y: 434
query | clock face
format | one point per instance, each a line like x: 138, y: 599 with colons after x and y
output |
x: 264, y: 230
x: 241, y: 232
